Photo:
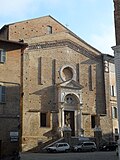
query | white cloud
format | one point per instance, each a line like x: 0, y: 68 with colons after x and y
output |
x: 104, y: 40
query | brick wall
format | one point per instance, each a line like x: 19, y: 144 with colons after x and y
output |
x: 41, y: 69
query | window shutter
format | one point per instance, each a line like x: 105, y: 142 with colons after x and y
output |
x: 111, y: 92
x: 113, y: 114
x: 115, y: 91
x: 49, y: 28
x: 2, y: 56
x: 2, y: 94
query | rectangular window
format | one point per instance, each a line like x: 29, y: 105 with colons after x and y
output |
x: 114, y: 112
x: 2, y: 94
x: 90, y: 77
x: 44, y: 119
x: 93, y: 121
x: 116, y: 130
x: 113, y: 90
x: 49, y: 29
x: 2, y: 56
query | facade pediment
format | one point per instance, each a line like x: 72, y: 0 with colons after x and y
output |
x: 71, y: 84
x: 70, y: 87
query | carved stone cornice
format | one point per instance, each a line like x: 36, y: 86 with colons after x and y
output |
x: 116, y: 6
x: 117, y: 20
x: 62, y: 43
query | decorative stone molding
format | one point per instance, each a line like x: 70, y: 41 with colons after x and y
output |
x: 58, y: 43
x: 69, y: 74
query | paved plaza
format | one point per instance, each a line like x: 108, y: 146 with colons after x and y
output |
x: 70, y: 156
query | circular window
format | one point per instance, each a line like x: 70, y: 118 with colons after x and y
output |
x: 67, y: 73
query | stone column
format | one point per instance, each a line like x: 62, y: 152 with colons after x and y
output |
x: 80, y: 120
x: 61, y: 119
x: 117, y: 71
x: 98, y: 135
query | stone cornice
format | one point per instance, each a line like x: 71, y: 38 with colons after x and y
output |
x: 116, y: 6
x: 62, y: 43
x: 116, y: 49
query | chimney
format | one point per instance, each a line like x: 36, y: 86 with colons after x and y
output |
x: 117, y: 20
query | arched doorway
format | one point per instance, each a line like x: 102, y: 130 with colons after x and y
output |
x: 70, y: 112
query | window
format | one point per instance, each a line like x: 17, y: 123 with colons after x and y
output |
x: 2, y: 94
x: 106, y: 66
x: 49, y: 29
x: 67, y: 72
x: 113, y: 90
x: 90, y: 77
x: 114, y: 112
x: 44, y: 119
x: 60, y: 145
x: 116, y: 130
x: 69, y: 99
x: 2, y: 56
x: 93, y: 121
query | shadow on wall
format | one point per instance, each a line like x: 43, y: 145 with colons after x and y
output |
x: 9, y: 119
x: 48, y: 99
x: 100, y: 90
x: 49, y: 106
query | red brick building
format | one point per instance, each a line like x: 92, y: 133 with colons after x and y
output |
x: 64, y: 83
x: 10, y: 85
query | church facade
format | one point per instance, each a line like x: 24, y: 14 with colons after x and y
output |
x: 64, y: 83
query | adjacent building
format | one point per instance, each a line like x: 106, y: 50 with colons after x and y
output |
x: 65, y: 83
x: 10, y: 73
x: 111, y: 99
x: 117, y: 58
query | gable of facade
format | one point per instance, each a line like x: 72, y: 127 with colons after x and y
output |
x: 32, y: 28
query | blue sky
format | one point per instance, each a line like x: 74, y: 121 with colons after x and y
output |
x: 91, y: 20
